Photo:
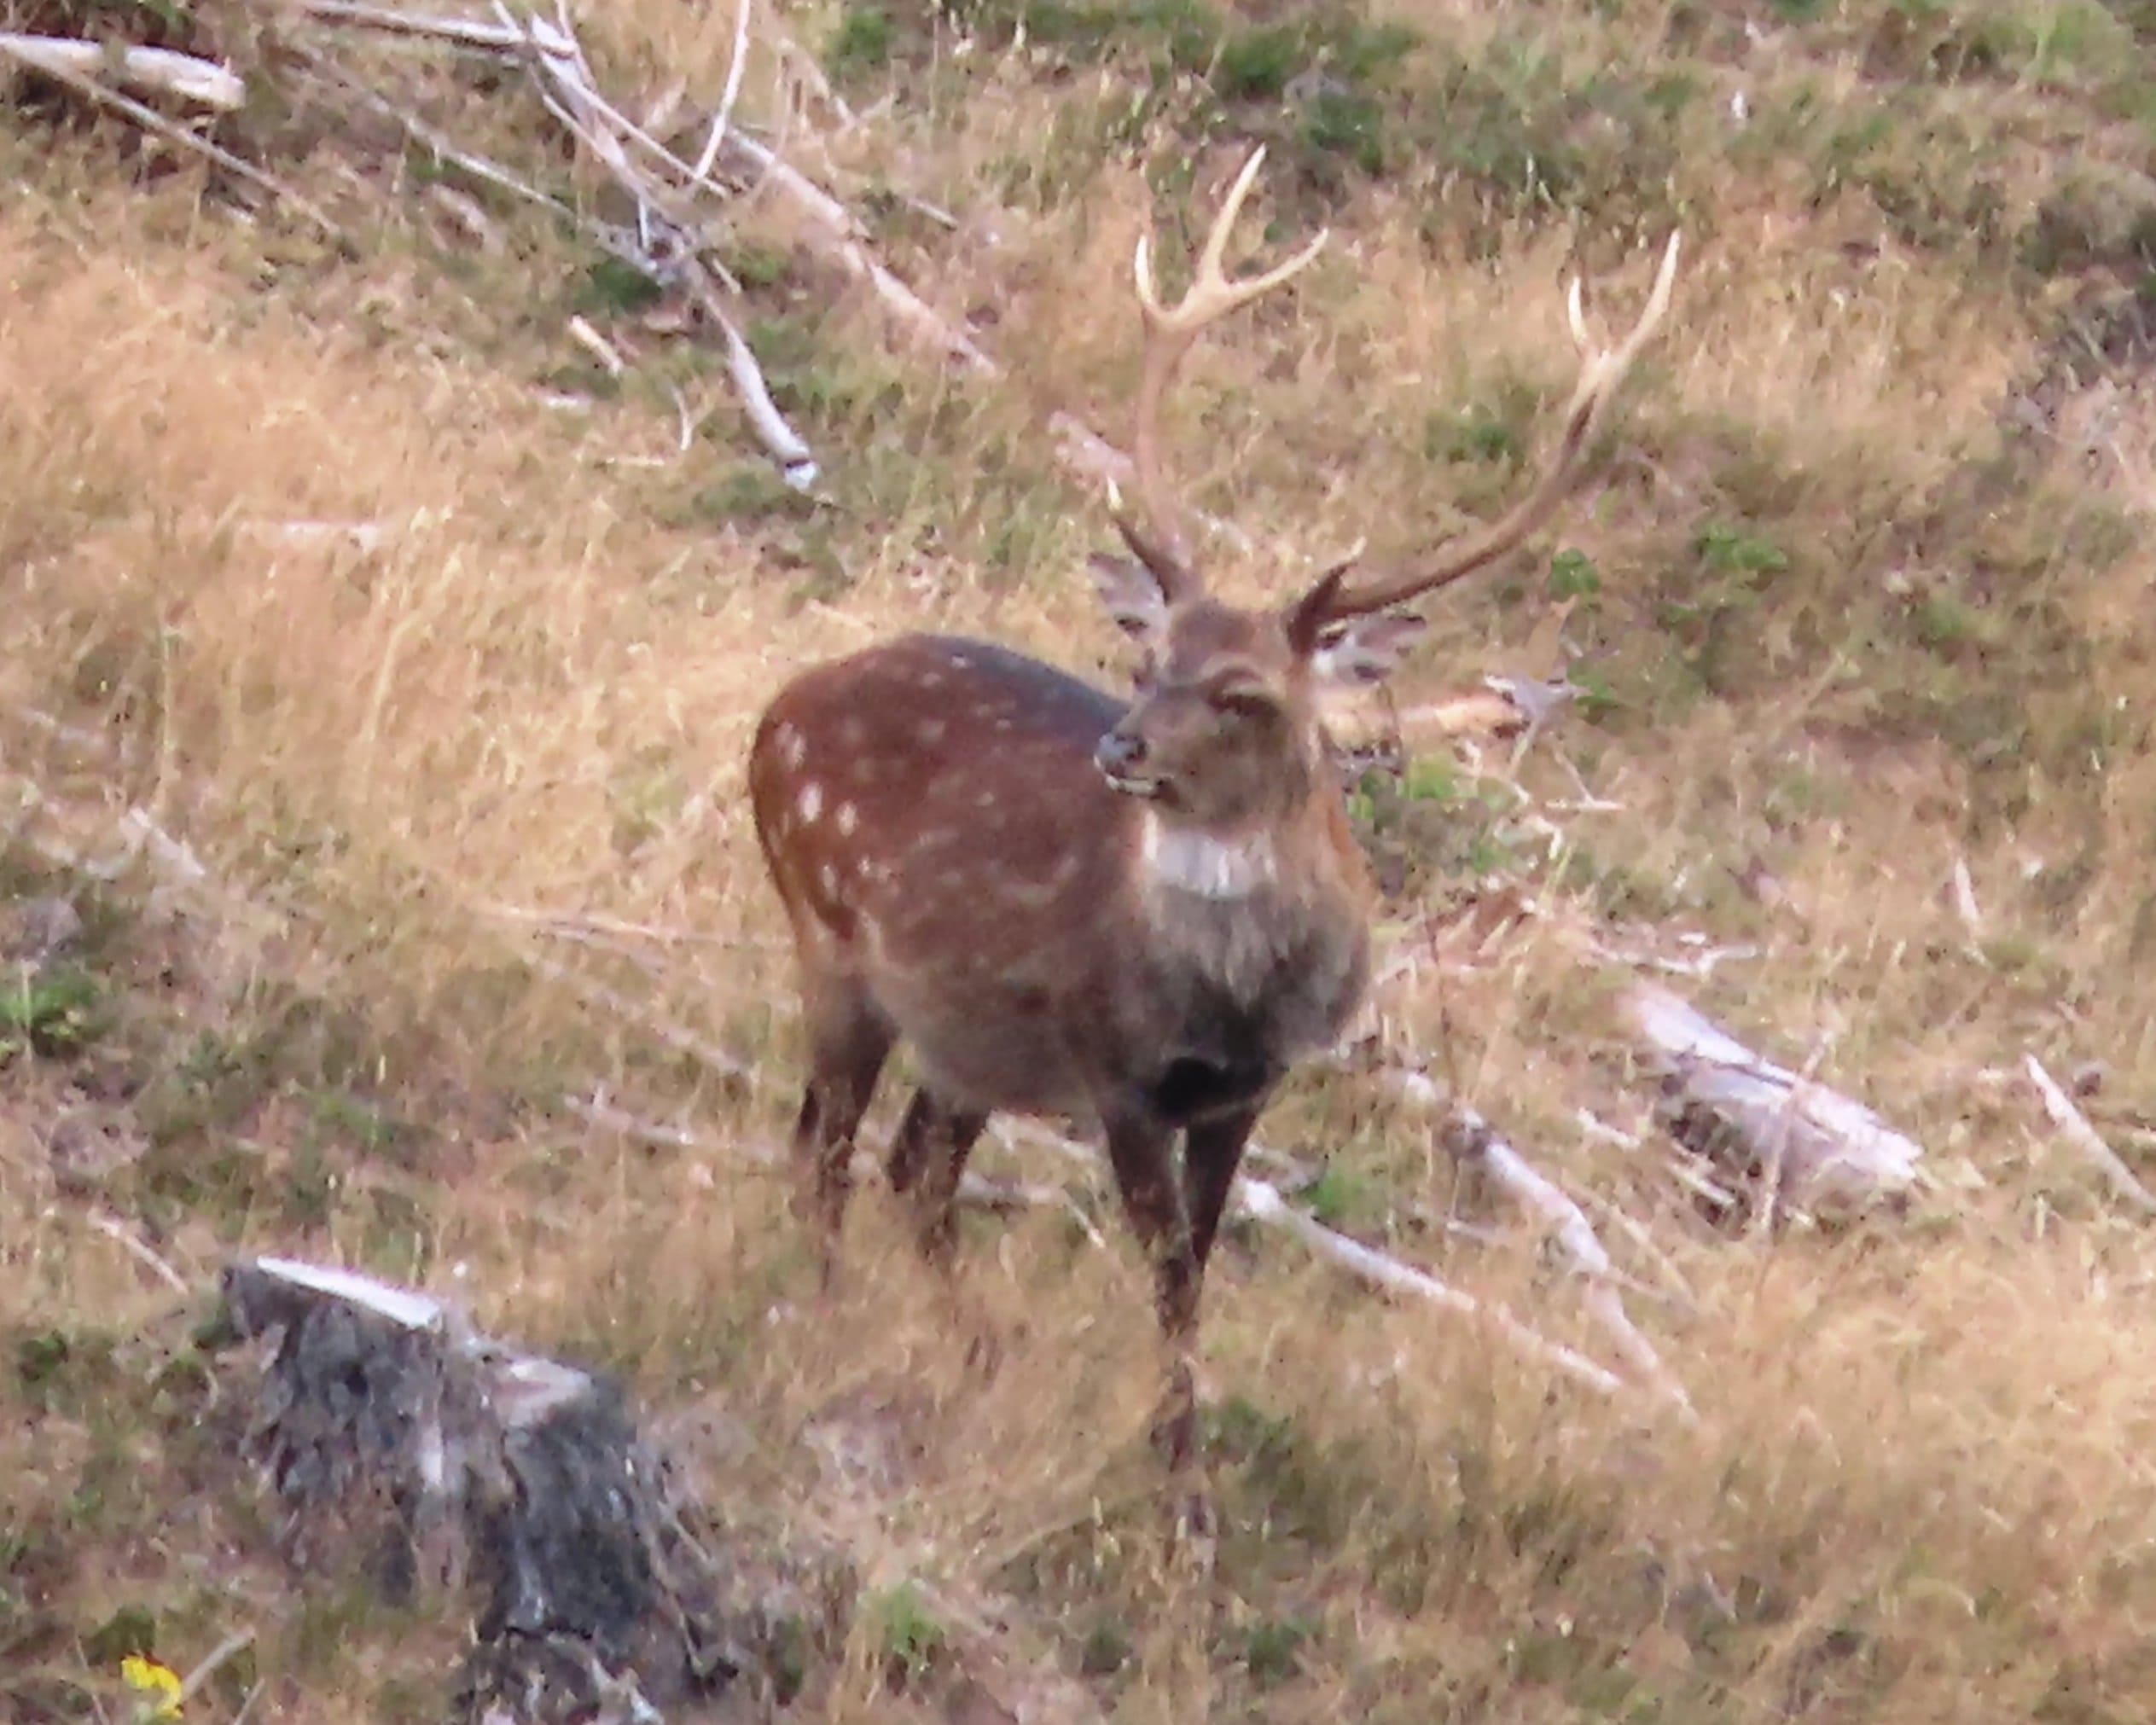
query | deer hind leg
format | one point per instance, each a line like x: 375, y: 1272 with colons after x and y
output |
x: 849, y: 1040
x: 927, y: 1160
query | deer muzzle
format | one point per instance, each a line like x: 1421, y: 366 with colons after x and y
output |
x: 1121, y: 757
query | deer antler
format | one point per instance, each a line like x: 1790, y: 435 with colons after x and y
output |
x: 1159, y: 542
x: 1332, y: 600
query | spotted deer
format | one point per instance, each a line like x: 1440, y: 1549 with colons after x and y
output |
x: 1139, y: 913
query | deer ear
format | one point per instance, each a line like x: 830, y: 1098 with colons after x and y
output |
x: 1136, y: 602
x: 1361, y: 650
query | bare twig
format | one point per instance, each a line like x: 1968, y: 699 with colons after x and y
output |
x: 683, y: 1042
x: 212, y: 1662
x: 444, y: 148
x: 797, y: 461
x: 2073, y: 1126
x: 597, y: 346
x: 1965, y: 904
x: 670, y: 251
x: 724, y: 118
x: 132, y: 1242
x: 160, y: 70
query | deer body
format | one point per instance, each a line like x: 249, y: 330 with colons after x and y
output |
x: 1137, y: 913
x: 960, y: 874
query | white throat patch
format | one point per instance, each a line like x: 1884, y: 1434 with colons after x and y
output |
x: 1209, y: 868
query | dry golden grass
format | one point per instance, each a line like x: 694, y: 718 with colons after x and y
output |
x: 1921, y: 1488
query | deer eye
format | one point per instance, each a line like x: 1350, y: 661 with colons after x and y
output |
x: 1245, y: 699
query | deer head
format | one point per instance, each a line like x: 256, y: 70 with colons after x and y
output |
x: 1223, y: 734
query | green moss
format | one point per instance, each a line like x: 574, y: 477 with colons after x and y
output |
x: 861, y: 43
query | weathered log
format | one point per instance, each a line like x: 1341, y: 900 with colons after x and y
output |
x: 1814, y: 1149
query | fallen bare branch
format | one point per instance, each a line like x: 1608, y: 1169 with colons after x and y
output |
x: 797, y: 461
x: 1965, y: 905
x: 1472, y: 1139
x: 1262, y: 1203
x: 160, y: 71
x: 1575, y: 1235
x: 443, y: 148
x: 1679, y: 1290
x: 683, y: 1042
x: 152, y: 121
x: 597, y: 346
x: 668, y: 250
x: 463, y: 32
x: 2073, y: 1126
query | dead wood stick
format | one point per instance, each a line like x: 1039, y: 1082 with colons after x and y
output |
x: 2073, y: 1126
x: 1472, y: 1139
x: 463, y: 32
x: 158, y: 70
x: 130, y: 1241
x: 151, y: 120
x: 831, y: 232
x: 443, y: 148
x: 212, y: 1662
x: 1575, y: 1236
x: 570, y: 90
x: 722, y: 121
x: 976, y: 1191
x: 1261, y: 1201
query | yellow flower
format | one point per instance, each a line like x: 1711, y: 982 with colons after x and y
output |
x: 160, y: 1682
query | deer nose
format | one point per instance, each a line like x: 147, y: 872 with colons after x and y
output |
x: 1119, y: 754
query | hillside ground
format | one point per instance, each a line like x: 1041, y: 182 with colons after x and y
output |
x: 1861, y: 593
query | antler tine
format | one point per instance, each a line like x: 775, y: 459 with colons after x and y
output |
x: 1601, y: 371
x: 1169, y: 332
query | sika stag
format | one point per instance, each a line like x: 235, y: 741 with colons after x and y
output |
x: 1135, y: 913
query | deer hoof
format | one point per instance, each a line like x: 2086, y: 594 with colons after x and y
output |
x: 1193, y: 1526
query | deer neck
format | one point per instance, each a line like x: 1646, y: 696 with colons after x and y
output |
x: 1269, y: 879
x: 1183, y: 862
x: 1265, y: 926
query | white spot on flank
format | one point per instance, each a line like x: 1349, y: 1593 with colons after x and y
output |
x: 931, y: 731
x: 986, y: 799
x: 848, y: 819
x: 792, y: 746
x: 812, y: 804
x: 1188, y: 860
x: 829, y: 877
